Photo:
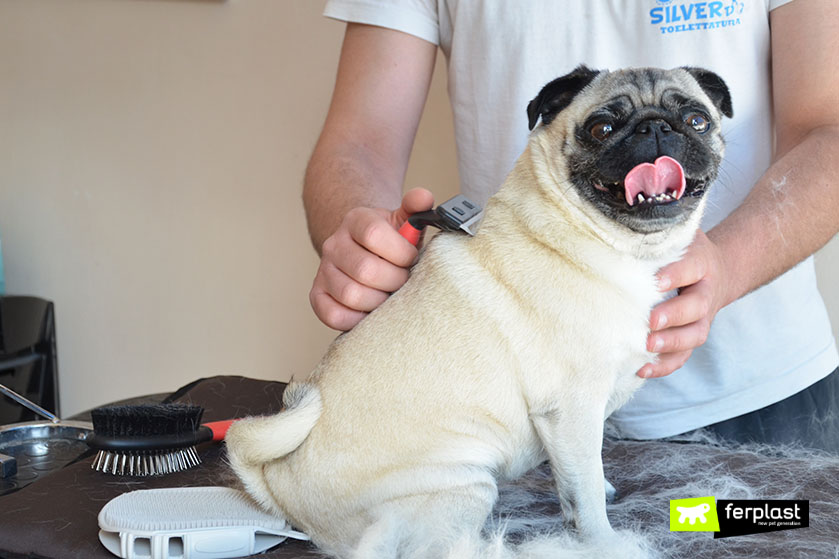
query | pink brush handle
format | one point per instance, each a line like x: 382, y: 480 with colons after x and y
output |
x: 411, y: 233
x: 219, y: 428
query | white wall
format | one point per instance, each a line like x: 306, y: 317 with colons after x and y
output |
x: 151, y: 158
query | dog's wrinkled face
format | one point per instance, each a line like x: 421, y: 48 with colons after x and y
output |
x: 640, y: 145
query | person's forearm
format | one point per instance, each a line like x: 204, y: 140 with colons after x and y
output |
x: 340, y: 178
x: 362, y: 155
x: 791, y: 212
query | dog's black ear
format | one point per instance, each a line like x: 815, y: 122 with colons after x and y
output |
x: 558, y: 94
x: 715, y: 87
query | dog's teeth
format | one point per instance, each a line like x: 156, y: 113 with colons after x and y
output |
x: 640, y: 198
x: 672, y: 193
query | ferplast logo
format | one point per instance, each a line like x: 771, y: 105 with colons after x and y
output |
x: 678, y: 17
x: 694, y: 515
x: 728, y: 518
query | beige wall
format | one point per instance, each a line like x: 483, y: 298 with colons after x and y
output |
x: 151, y: 156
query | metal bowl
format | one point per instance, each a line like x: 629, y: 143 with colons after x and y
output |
x: 33, y: 449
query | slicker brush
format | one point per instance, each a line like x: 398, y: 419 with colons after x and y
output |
x: 150, y: 440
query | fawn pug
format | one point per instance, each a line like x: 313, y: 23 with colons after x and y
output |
x: 506, y: 348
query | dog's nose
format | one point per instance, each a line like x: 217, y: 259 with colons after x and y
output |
x: 656, y: 127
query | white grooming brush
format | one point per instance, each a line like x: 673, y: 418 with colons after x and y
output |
x: 189, y: 523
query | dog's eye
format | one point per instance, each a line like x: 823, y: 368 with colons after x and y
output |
x: 698, y: 122
x: 601, y: 130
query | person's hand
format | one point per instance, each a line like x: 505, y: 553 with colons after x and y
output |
x: 681, y: 324
x: 364, y: 261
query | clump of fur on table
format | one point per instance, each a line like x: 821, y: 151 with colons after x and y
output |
x: 648, y: 474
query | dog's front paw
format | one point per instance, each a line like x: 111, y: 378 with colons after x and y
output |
x: 611, y: 492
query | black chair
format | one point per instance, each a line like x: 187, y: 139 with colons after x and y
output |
x: 28, y: 362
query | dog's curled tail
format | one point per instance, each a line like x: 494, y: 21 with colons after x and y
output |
x: 255, y: 441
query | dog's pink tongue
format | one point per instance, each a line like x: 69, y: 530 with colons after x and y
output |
x: 664, y: 176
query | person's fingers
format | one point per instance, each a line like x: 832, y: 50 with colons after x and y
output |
x: 691, y: 268
x: 369, y: 229
x: 349, y: 292
x: 666, y: 364
x: 681, y: 324
x: 331, y: 312
x: 679, y: 338
x: 364, y: 261
x: 414, y: 201
x: 692, y: 304
x: 362, y: 266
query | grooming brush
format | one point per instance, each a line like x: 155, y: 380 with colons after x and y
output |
x: 150, y: 440
x: 189, y: 523
x: 456, y: 214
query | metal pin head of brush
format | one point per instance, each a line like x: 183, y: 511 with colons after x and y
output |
x: 142, y: 465
x: 146, y: 440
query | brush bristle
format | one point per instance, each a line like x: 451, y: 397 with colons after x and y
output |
x: 145, y: 464
x: 146, y: 420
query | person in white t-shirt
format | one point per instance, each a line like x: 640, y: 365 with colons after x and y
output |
x: 763, y: 371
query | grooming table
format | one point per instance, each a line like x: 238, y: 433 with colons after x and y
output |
x: 56, y: 517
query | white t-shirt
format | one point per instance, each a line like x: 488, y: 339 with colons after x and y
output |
x: 762, y: 348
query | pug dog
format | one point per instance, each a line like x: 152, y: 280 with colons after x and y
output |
x: 507, y: 348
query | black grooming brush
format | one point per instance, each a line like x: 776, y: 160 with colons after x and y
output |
x: 149, y: 440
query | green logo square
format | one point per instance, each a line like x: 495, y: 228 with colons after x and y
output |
x: 694, y: 515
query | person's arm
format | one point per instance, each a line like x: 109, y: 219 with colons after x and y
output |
x: 353, y: 184
x: 791, y: 212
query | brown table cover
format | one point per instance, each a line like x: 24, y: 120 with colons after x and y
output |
x: 56, y: 517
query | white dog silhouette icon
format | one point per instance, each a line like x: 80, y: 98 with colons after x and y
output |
x: 693, y: 513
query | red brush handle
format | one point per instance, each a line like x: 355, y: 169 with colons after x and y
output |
x: 219, y: 428
x: 411, y: 233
